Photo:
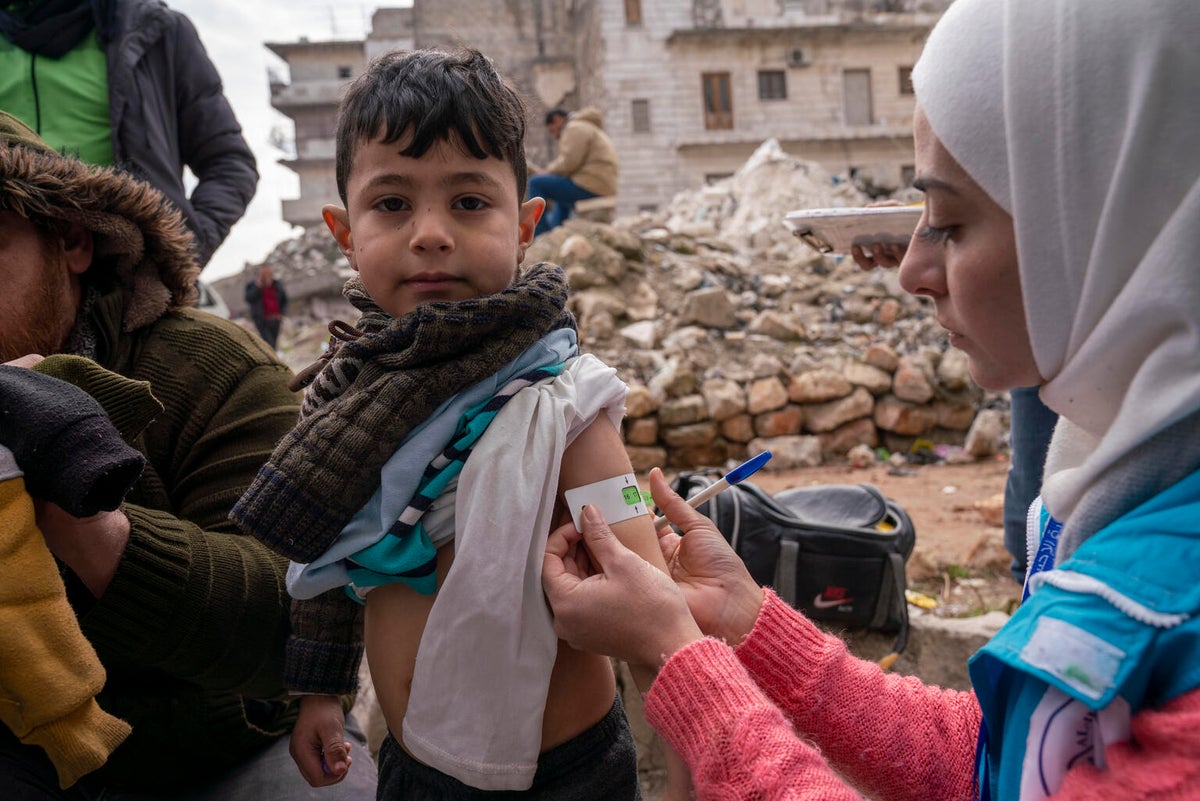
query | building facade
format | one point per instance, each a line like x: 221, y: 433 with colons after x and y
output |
x: 319, y: 73
x: 692, y: 88
x: 689, y: 88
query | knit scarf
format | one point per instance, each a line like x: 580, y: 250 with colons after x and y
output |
x: 374, y: 390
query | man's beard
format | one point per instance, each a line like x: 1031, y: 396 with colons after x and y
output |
x: 42, y: 326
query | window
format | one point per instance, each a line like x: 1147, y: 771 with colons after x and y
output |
x: 906, y: 87
x: 772, y: 85
x: 856, y: 96
x: 633, y: 12
x: 907, y: 173
x: 640, y: 110
x: 718, y: 101
x: 345, y: 72
x: 711, y: 178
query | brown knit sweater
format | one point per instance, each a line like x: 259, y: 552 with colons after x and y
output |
x: 196, y: 617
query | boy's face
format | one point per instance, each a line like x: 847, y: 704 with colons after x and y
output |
x: 445, y: 226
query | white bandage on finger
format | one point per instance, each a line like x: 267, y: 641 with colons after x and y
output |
x: 618, y: 498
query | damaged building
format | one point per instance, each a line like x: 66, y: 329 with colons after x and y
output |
x: 689, y: 88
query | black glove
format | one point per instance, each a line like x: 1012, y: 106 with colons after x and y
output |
x: 64, y: 443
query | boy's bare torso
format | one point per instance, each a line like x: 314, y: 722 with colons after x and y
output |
x: 581, y: 685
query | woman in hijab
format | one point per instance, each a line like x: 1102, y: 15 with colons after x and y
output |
x: 1056, y: 146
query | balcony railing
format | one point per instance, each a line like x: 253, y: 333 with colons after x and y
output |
x: 307, y: 93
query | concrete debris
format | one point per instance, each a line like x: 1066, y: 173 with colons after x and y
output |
x: 733, y: 335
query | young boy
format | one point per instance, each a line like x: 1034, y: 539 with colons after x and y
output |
x: 460, y: 353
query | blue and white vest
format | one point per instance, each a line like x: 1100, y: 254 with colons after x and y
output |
x: 1111, y: 631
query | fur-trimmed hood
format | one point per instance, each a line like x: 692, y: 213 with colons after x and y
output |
x: 141, y: 242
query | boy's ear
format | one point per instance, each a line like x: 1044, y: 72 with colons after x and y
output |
x: 338, y: 220
x: 530, y: 212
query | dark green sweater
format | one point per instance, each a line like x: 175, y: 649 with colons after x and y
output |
x: 195, y: 620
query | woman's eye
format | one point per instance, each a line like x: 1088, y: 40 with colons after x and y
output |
x: 935, y: 236
x: 471, y: 204
x: 391, y: 204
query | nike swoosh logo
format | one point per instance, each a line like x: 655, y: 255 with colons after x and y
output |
x: 821, y: 602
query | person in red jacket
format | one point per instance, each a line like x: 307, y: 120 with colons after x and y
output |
x: 267, y: 301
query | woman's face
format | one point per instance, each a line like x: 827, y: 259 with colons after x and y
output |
x: 964, y: 256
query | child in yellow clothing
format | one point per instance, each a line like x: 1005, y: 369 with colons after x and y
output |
x: 49, y: 673
x: 57, y: 444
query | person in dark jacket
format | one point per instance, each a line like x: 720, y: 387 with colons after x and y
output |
x: 267, y: 301
x: 188, y: 617
x: 127, y: 83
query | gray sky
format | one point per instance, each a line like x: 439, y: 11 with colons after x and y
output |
x: 233, y: 32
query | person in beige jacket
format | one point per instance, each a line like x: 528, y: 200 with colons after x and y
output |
x: 586, y: 166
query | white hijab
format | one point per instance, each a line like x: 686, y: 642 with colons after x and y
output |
x: 1081, y: 118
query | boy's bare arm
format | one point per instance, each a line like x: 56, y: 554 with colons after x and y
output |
x: 597, y: 454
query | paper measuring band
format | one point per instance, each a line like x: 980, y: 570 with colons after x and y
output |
x: 618, y: 498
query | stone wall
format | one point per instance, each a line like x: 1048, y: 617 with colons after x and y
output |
x: 823, y: 361
x: 736, y: 337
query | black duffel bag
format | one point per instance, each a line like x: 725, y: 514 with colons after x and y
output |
x: 835, y: 552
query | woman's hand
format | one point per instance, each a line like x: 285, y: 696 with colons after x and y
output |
x: 878, y: 255
x: 608, y: 600
x: 723, y: 598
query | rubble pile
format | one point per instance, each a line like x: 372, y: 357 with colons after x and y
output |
x: 745, y: 210
x: 736, y: 337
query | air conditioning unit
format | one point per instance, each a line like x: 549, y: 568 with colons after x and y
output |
x: 798, y: 57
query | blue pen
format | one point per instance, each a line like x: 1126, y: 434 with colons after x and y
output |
x: 739, y: 473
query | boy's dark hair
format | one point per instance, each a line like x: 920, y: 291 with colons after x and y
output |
x: 433, y: 94
x: 554, y: 113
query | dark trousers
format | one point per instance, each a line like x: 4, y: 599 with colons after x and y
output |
x: 562, y: 193
x: 26, y: 774
x: 269, y: 330
x: 599, y: 764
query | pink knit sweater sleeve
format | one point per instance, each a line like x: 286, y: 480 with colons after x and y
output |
x: 736, y: 742
x: 892, y: 736
x: 728, y: 717
x: 1161, y: 761
x: 749, y: 724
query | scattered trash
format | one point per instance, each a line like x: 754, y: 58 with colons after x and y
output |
x: 861, y: 456
x: 920, y: 599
